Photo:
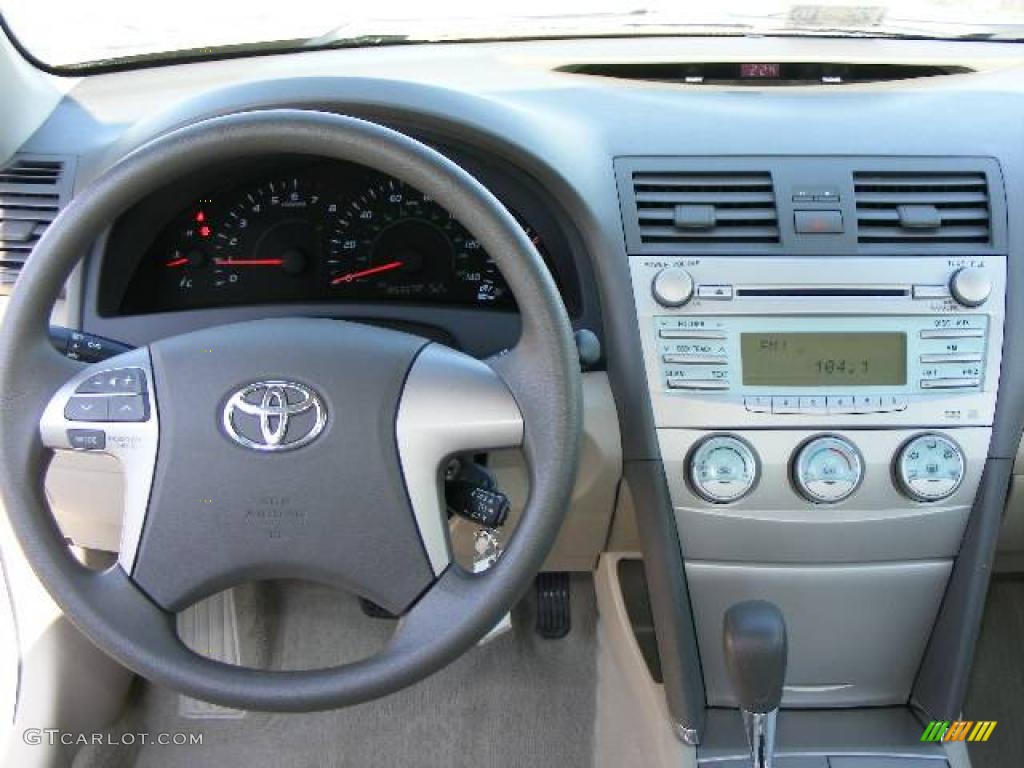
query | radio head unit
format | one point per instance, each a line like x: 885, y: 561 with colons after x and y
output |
x: 866, y: 342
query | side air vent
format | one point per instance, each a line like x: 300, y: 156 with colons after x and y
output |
x: 923, y: 208
x: 702, y: 208
x: 33, y: 188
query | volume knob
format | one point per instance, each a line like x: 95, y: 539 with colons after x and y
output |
x: 672, y: 287
x: 970, y: 286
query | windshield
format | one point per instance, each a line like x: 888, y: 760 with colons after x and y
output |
x: 86, y: 34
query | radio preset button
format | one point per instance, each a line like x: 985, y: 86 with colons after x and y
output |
x: 813, y: 405
x: 758, y: 403
x: 839, y: 403
x: 785, y: 404
x: 866, y: 404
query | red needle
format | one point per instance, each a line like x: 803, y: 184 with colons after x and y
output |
x: 177, y: 262
x: 248, y: 262
x: 349, y: 277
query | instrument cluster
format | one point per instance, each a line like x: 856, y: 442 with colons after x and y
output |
x: 316, y: 232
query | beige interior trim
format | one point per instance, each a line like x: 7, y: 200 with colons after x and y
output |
x: 633, y: 724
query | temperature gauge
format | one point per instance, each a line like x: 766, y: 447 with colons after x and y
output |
x: 723, y: 468
x: 828, y: 469
x: 930, y: 467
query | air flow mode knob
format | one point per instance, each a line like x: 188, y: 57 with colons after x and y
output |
x: 970, y: 286
x: 672, y: 287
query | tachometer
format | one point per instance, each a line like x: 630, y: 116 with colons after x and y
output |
x: 391, y: 240
x: 263, y: 242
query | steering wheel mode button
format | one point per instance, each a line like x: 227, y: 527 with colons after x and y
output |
x: 86, y: 409
x: 87, y: 439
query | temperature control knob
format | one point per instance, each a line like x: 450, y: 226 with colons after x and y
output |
x: 672, y: 287
x: 828, y: 469
x: 723, y: 468
x: 970, y: 286
x: 930, y: 467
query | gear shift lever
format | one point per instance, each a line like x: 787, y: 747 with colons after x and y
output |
x: 754, y: 643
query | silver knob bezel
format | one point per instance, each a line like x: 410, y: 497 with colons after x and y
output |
x: 801, y: 455
x: 904, y: 485
x: 671, y: 272
x: 743, y: 447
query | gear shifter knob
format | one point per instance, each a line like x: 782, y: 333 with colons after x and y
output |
x: 754, y: 644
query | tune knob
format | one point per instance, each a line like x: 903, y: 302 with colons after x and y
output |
x: 970, y: 286
x: 672, y: 287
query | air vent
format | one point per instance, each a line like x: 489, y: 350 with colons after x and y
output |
x: 919, y: 208
x: 32, y: 190
x: 705, y: 207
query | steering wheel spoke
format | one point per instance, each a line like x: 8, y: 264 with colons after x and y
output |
x: 110, y: 407
x: 451, y: 404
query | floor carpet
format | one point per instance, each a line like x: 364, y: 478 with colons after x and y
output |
x: 517, y: 701
x: 997, y: 683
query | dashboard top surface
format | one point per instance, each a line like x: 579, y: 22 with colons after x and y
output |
x: 503, y: 106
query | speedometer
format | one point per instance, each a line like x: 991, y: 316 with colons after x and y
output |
x: 393, y: 241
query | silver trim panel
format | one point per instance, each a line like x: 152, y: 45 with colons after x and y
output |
x: 133, y: 444
x: 451, y: 403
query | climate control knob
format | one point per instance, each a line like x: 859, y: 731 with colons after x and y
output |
x: 970, y: 286
x: 672, y: 287
x: 828, y: 469
x: 723, y: 468
x: 930, y: 467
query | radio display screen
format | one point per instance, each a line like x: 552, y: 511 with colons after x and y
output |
x: 824, y: 359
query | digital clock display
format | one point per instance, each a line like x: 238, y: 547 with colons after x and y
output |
x: 769, y: 71
x: 824, y: 359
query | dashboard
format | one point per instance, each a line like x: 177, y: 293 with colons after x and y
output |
x: 305, y: 230
x: 697, y: 229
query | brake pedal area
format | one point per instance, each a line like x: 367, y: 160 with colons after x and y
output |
x: 210, y: 628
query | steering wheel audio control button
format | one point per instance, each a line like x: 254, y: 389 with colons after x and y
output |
x: 127, y: 408
x: 122, y: 381
x: 87, y: 439
x: 86, y: 409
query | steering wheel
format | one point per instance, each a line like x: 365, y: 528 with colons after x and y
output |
x: 287, y: 448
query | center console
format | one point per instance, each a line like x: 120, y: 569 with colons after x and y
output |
x: 823, y: 390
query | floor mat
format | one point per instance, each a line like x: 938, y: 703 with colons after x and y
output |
x: 516, y: 701
x: 997, y: 682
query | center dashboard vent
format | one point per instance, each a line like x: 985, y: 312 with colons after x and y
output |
x: 33, y: 188
x: 705, y: 209
x: 923, y: 208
